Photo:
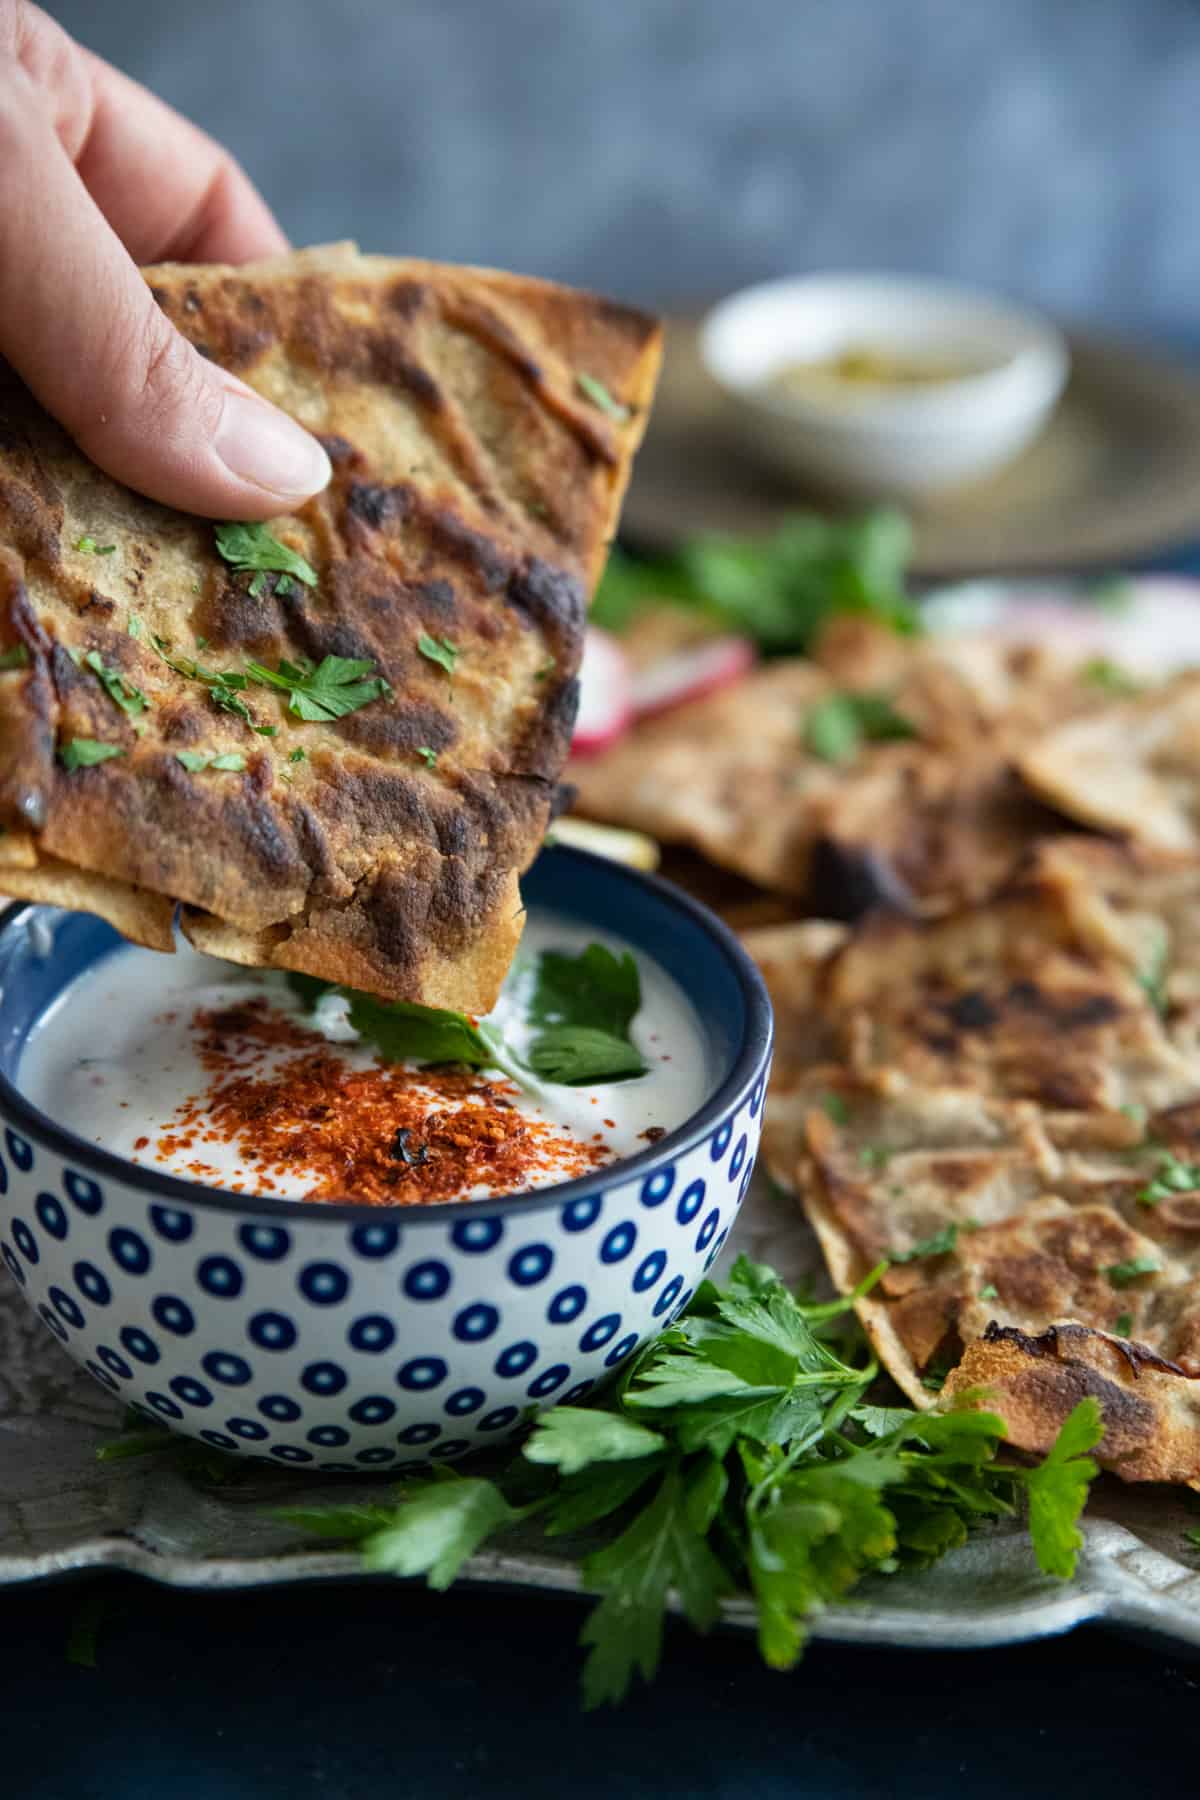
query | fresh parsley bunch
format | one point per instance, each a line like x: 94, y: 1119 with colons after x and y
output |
x: 778, y: 590
x: 738, y: 1453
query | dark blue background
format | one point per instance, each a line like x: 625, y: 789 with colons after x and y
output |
x: 668, y: 149
x: 381, y: 1692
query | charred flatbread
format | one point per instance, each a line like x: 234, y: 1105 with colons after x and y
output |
x: 364, y: 815
x: 1134, y: 768
x: 999, y: 1235
x: 1005, y: 1105
x: 876, y: 773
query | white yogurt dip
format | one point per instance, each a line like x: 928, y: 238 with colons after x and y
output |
x: 223, y: 1075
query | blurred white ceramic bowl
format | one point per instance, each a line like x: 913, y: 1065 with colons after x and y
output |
x: 878, y: 440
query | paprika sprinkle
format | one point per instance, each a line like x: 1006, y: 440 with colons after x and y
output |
x: 386, y: 1135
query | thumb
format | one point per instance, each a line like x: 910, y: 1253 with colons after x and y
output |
x: 80, y: 326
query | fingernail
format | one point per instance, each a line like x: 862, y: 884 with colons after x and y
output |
x: 259, y: 444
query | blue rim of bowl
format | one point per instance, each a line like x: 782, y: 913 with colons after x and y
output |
x: 17, y: 1111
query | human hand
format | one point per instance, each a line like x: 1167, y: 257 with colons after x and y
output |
x: 97, y: 176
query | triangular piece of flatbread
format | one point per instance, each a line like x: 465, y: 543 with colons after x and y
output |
x: 1133, y: 768
x: 481, y: 427
x: 929, y: 817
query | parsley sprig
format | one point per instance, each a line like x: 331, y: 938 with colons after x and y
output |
x: 739, y: 1452
x: 253, y: 548
x: 1171, y: 1177
x: 85, y: 753
x: 837, y: 727
x: 940, y: 1244
x: 581, y: 1007
x: 330, y: 689
x: 196, y: 761
x: 440, y: 651
x: 225, y: 686
x: 1122, y: 1274
x: 131, y: 700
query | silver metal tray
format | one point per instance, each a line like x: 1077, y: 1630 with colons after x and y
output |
x: 62, y: 1511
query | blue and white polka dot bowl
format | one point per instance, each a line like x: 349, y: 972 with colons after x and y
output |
x: 353, y: 1337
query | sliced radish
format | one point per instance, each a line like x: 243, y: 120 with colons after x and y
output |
x: 690, y: 674
x: 605, y: 707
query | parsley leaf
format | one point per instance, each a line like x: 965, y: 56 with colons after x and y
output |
x: 15, y: 658
x: 440, y: 651
x: 85, y: 753
x: 595, y: 987
x: 1152, y: 979
x: 1058, y: 1487
x: 573, y: 1438
x: 225, y: 686
x: 1123, y: 1273
x: 598, y: 394
x: 90, y: 547
x: 584, y: 1006
x: 428, y: 757
x: 337, y: 685
x: 1123, y: 1325
x: 573, y: 1055
x: 341, y: 1523
x: 657, y: 1553
x: 403, y: 1031
x: 1171, y: 1177
x: 1108, y: 676
x: 253, y: 547
x: 874, y: 1156
x: 880, y: 1421
x: 989, y: 1292
x: 434, y: 1533
x: 940, y: 1244
x: 837, y: 727
x: 298, y: 756
x: 197, y: 760
x: 121, y: 692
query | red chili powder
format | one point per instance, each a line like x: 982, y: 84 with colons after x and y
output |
x: 383, y: 1136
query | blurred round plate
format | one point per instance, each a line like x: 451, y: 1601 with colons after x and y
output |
x: 1114, y: 477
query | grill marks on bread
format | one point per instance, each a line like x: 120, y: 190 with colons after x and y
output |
x: 474, y: 494
x: 1008, y: 1094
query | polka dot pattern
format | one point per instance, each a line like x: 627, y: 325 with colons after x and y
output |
x: 268, y: 1243
x: 169, y: 1223
x: 374, y: 1344
x: 372, y: 1334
